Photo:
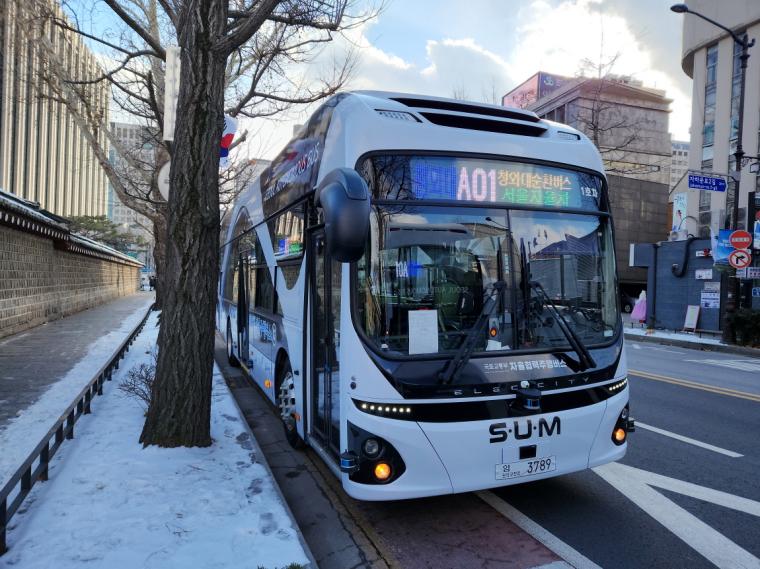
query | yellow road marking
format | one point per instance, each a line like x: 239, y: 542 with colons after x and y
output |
x: 696, y: 385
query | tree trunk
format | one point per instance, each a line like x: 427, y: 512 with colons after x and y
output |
x: 180, y: 410
x: 159, y: 258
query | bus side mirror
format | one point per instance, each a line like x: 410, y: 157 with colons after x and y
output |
x: 343, y: 195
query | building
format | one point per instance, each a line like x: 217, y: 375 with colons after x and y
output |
x: 539, y: 85
x: 44, y: 156
x: 629, y: 124
x: 627, y: 121
x: 679, y: 161
x: 711, y: 58
x: 140, y: 144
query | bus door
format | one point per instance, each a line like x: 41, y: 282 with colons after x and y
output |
x: 242, y: 310
x: 325, y: 344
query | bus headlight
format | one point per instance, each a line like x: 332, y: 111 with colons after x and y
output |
x: 371, y: 448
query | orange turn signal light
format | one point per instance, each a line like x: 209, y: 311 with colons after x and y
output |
x: 492, y: 332
x: 619, y: 435
x: 382, y: 471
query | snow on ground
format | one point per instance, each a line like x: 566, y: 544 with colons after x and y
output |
x: 20, y: 435
x: 665, y: 335
x: 111, y: 503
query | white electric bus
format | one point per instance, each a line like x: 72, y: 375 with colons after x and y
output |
x: 426, y: 290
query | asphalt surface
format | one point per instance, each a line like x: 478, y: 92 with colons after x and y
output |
x: 669, y: 503
x: 596, y: 519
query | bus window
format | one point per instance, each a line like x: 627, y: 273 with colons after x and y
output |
x: 264, y: 290
x: 286, y: 231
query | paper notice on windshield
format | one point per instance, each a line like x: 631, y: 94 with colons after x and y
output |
x: 423, y: 331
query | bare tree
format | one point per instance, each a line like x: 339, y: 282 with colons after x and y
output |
x: 617, y: 129
x: 243, y: 57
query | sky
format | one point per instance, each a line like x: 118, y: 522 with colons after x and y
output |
x: 484, y: 48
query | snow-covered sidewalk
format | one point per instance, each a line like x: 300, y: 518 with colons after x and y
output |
x: 21, y: 434
x: 111, y: 503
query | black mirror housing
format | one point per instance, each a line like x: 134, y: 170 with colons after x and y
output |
x: 344, y: 197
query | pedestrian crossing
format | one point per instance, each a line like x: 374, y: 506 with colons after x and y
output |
x: 742, y: 365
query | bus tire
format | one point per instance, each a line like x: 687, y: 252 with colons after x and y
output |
x: 231, y: 359
x: 286, y: 402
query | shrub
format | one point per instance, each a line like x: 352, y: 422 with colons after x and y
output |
x: 746, y: 324
x: 139, y: 380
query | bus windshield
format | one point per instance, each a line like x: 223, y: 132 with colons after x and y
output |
x: 428, y: 271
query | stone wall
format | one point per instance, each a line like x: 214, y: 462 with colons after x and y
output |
x: 40, y: 282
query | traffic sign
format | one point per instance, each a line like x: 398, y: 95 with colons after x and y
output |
x: 739, y: 258
x: 740, y: 239
x: 712, y: 183
x: 756, y: 291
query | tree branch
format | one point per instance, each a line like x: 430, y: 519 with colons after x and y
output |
x: 138, y: 29
x: 251, y: 24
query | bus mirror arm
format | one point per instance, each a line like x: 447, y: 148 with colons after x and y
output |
x: 344, y: 197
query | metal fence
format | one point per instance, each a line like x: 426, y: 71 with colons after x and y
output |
x: 35, y: 467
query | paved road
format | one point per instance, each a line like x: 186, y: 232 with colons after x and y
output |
x: 641, y: 528
x: 686, y: 495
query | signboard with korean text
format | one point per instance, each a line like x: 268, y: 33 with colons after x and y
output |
x: 710, y: 183
x: 709, y: 299
x: 749, y: 273
x: 502, y: 183
x: 703, y: 274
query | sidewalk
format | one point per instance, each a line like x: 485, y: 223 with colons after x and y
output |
x: 638, y: 333
x: 43, y: 369
x: 110, y: 502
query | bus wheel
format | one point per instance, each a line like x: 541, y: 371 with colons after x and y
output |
x: 286, y: 401
x: 233, y: 361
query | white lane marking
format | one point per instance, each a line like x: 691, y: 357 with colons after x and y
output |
x: 634, y: 346
x: 689, y: 440
x: 743, y: 365
x: 554, y: 565
x: 637, y: 484
x: 572, y: 556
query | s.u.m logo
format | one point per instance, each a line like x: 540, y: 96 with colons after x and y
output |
x: 521, y: 431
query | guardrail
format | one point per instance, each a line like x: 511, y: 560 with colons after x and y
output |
x: 35, y: 467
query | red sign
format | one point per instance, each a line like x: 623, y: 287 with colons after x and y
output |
x: 739, y: 259
x: 740, y: 239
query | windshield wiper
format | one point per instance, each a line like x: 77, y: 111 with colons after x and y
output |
x: 463, y: 354
x: 584, y: 356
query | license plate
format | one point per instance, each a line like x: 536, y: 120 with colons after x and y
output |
x: 526, y: 468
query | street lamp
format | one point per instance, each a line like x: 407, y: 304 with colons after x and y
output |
x: 733, y: 293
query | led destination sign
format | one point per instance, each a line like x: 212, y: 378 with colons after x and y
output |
x: 500, y: 182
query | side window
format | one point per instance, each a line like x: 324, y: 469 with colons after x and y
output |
x: 286, y: 231
x: 264, y: 289
x: 230, y: 282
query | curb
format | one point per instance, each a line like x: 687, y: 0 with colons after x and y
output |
x: 739, y: 350
x: 261, y: 459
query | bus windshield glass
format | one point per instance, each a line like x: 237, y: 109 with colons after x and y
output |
x: 429, y: 270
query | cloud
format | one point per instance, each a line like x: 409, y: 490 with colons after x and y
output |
x: 484, y: 49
